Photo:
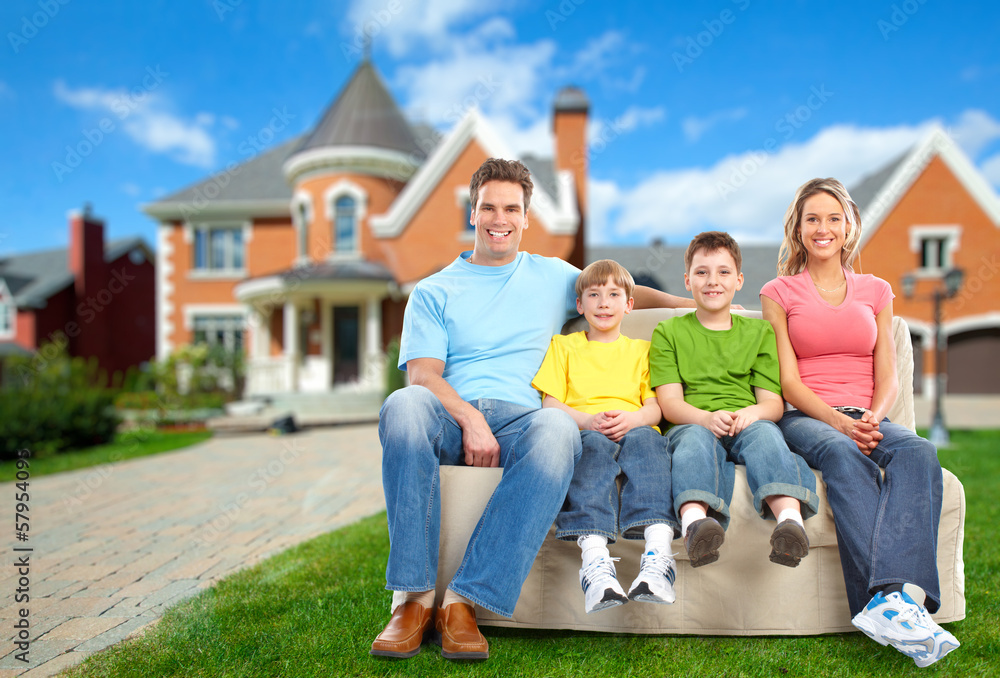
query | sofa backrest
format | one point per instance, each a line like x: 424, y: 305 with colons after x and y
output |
x: 641, y: 323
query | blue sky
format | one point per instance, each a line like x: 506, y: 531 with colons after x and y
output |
x: 682, y: 97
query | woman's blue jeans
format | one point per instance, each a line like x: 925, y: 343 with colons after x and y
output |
x: 886, y: 527
x: 538, y: 448
x: 593, y: 505
x: 704, y: 468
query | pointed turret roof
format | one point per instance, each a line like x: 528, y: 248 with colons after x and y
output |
x: 364, y: 114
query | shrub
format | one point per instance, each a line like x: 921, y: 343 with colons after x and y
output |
x: 395, y: 378
x: 51, y: 402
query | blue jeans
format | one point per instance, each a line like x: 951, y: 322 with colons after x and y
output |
x: 886, y: 528
x: 592, y: 505
x: 704, y: 468
x: 537, y: 451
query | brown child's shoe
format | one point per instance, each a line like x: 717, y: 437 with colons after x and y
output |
x: 460, y: 636
x: 402, y: 636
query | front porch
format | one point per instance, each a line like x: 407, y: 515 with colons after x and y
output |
x: 317, y: 330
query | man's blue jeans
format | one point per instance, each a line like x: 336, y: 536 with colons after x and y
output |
x: 704, y: 468
x: 592, y: 505
x: 886, y: 528
x: 537, y: 451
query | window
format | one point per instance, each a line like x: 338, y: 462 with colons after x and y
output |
x: 218, y: 248
x: 303, y: 228
x: 8, y: 313
x: 344, y: 224
x: 219, y: 330
x: 932, y: 253
x: 934, y: 247
x: 469, y: 226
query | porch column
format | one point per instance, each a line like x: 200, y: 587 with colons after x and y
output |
x: 291, y: 345
x: 373, y: 333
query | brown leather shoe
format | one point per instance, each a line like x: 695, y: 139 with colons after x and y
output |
x: 402, y: 636
x: 460, y: 637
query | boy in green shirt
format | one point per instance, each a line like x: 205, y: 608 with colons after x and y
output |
x: 717, y: 380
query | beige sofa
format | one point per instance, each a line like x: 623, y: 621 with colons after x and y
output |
x: 743, y: 593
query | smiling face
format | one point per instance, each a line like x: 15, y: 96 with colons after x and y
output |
x: 823, y: 229
x: 499, y: 219
x: 604, y: 306
x: 713, y: 279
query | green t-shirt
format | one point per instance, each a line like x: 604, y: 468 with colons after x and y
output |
x: 718, y: 368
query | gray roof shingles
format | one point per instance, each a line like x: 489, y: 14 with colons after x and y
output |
x: 35, y: 276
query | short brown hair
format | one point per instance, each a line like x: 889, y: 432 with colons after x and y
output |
x: 600, y: 271
x: 498, y: 169
x: 711, y: 241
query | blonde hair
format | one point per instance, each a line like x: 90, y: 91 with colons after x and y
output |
x: 600, y: 271
x: 792, y: 256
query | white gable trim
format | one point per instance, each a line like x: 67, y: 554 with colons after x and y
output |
x: 937, y: 143
x: 558, y: 218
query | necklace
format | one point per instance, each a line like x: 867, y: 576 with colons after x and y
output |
x: 833, y: 290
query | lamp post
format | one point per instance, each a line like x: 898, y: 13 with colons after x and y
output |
x: 947, y: 287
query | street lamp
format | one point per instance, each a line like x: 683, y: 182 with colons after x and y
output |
x: 947, y: 287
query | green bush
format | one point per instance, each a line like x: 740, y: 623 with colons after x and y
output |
x: 395, y: 379
x: 51, y: 402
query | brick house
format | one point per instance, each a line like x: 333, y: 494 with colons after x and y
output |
x: 304, y: 255
x: 926, y: 212
x: 95, y: 297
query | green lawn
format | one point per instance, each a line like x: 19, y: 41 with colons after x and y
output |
x: 314, y: 610
x: 125, y: 446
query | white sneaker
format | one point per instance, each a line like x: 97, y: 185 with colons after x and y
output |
x: 899, y: 621
x: 600, y: 585
x: 655, y: 583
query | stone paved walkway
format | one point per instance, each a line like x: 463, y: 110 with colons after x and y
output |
x: 114, y: 546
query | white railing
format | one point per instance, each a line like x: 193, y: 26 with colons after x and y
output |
x: 268, y: 375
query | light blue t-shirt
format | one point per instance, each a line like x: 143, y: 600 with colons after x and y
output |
x: 491, y: 325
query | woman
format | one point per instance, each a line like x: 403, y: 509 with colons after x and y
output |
x: 838, y: 375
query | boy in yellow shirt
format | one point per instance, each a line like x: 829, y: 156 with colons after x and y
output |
x: 601, y: 378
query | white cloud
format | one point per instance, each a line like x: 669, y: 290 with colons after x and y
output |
x: 147, y: 122
x: 131, y: 189
x: 974, y: 131
x: 504, y: 81
x: 413, y: 25
x: 695, y: 127
x: 746, y: 193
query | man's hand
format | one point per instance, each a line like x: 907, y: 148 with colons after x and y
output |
x: 480, y: 445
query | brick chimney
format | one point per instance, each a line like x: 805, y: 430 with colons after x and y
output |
x: 90, y: 273
x: 569, y: 125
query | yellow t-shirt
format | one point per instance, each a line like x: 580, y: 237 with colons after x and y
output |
x: 593, y: 376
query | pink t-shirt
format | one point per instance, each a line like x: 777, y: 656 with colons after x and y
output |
x: 835, y: 345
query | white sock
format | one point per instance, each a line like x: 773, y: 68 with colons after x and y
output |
x: 425, y: 598
x: 791, y: 514
x: 592, y: 547
x: 658, y: 537
x: 695, y: 512
x: 452, y: 597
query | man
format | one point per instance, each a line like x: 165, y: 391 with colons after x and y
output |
x: 474, y: 335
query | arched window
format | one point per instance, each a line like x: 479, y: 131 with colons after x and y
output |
x: 345, y: 224
x: 303, y: 229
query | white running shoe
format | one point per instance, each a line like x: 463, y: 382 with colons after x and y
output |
x: 897, y: 620
x: 600, y: 585
x: 655, y: 583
